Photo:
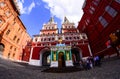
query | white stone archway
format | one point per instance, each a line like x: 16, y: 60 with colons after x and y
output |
x: 44, y: 52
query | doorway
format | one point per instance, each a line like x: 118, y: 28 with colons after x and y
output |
x: 76, y: 56
x: 46, y: 58
x: 1, y: 48
x: 61, y: 60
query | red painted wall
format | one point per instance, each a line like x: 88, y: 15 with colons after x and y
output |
x: 85, y: 50
x: 36, y: 53
x: 26, y: 53
x: 97, y: 34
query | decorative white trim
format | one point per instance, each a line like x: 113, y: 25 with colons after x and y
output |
x: 113, y: 55
x: 90, y: 50
x: 34, y: 62
x: 31, y: 52
x: 54, y: 64
x: 69, y: 63
x: 107, y: 56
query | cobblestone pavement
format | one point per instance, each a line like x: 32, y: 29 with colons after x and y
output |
x: 110, y: 69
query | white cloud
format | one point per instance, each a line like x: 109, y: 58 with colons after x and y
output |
x: 25, y: 9
x: 22, y: 1
x: 72, y: 9
x: 31, y: 7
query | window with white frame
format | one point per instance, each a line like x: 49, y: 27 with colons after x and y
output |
x: 92, y: 8
x: 2, y: 4
x: 103, y: 21
x: 118, y: 1
x: 36, y: 39
x: 111, y: 11
x: 7, y: 13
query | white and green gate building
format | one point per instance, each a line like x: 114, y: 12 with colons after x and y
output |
x: 61, y: 56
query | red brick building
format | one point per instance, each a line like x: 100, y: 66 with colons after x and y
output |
x: 100, y: 20
x: 49, y: 37
x: 13, y: 33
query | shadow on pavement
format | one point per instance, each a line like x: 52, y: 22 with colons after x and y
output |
x: 62, y: 70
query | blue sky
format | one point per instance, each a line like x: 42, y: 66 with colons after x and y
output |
x: 34, y: 13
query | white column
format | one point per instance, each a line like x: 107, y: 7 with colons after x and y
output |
x: 63, y: 37
x: 90, y: 50
x: 31, y: 52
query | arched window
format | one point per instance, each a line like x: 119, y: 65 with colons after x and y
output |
x: 83, y: 37
x: 14, y: 49
x: 8, y: 55
x: 35, y: 39
x: 44, y: 39
x: 7, y: 33
x: 41, y: 39
x: 52, y: 27
x: 78, y: 37
x: 48, y: 39
x: 13, y: 54
x: 14, y: 37
x: 65, y: 26
x: 53, y: 39
x: 66, y: 38
x: 74, y: 37
x: 18, y: 40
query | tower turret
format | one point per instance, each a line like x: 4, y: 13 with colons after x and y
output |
x: 51, y: 20
x: 66, y: 20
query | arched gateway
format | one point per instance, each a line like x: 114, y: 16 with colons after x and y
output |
x: 61, y: 56
x: 76, y: 55
x: 45, y: 52
x: 45, y: 57
x: 2, y: 46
